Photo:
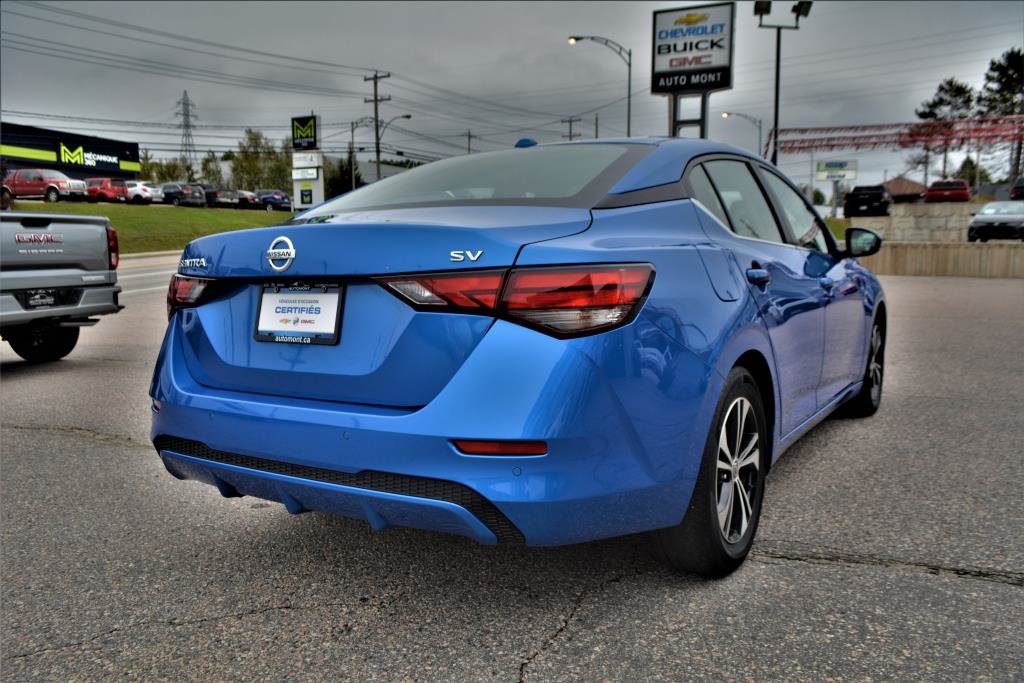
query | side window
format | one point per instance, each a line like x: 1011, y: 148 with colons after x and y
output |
x: 701, y: 189
x: 805, y: 225
x: 744, y: 202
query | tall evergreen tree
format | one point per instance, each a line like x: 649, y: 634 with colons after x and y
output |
x: 1002, y: 94
x: 953, y: 100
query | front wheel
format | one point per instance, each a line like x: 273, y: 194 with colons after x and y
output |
x: 44, y: 344
x: 719, y: 526
x: 867, y: 401
x: 52, y: 195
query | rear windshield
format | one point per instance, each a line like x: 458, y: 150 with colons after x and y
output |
x: 869, y: 188
x: 950, y: 185
x: 117, y: 183
x: 558, y: 175
x: 1003, y: 209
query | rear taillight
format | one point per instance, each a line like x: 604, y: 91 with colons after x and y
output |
x: 185, y: 292
x: 564, y: 301
x: 113, y: 250
x: 575, y: 299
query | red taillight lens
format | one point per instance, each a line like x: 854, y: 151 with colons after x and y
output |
x: 113, y: 250
x: 575, y: 299
x: 472, y: 290
x: 475, y: 447
x: 564, y: 301
x: 184, y: 292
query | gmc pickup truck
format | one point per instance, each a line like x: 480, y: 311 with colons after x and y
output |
x: 56, y: 273
x: 41, y: 183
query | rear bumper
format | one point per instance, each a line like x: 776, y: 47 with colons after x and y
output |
x: 624, y: 441
x: 101, y: 300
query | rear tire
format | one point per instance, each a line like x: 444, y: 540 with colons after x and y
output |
x: 52, y: 195
x: 176, y: 201
x: 44, y: 344
x: 270, y: 207
x: 719, y: 527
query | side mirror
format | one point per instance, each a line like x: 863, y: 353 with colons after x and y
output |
x: 862, y: 242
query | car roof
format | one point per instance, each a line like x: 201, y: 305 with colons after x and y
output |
x: 666, y: 163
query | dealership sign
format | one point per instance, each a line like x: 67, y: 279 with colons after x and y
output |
x: 835, y: 170
x: 693, y: 49
x: 67, y: 151
x: 304, y: 132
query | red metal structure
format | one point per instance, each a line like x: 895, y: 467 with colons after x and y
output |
x: 933, y: 134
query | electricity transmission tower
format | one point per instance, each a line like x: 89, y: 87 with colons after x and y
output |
x: 187, y: 113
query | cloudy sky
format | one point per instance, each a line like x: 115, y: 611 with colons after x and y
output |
x: 499, y: 70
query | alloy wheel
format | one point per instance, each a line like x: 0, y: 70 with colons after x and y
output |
x: 739, y: 461
x: 875, y: 364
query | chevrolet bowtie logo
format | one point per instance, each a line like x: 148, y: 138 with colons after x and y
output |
x: 72, y: 157
x: 690, y: 19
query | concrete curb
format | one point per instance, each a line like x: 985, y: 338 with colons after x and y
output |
x: 151, y: 254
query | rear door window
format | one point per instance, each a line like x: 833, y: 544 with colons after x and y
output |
x: 745, y: 203
x: 701, y: 189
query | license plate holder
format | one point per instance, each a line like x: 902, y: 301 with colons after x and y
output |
x: 299, y: 313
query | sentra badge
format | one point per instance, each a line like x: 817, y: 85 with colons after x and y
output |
x: 192, y: 263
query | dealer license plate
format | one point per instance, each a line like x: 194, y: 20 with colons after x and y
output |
x: 299, y: 314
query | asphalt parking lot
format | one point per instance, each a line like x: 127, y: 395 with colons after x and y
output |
x: 890, y: 548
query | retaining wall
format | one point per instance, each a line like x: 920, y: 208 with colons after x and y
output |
x: 992, y: 259
x: 940, y: 222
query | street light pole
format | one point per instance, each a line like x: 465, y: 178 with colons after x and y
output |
x: 761, y: 9
x: 626, y: 56
x: 753, y: 119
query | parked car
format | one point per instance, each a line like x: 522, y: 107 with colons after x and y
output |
x: 184, y: 194
x: 156, y: 191
x: 216, y: 196
x: 248, y: 200
x: 1017, y: 190
x: 106, y: 190
x: 997, y: 221
x: 274, y: 200
x: 948, y: 191
x: 53, y: 186
x: 138, y: 192
x: 545, y: 345
x: 867, y: 200
x: 57, y: 273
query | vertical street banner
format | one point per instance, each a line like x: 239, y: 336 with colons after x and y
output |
x: 693, y: 48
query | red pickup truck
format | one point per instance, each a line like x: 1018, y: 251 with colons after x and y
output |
x: 106, y: 190
x: 41, y: 182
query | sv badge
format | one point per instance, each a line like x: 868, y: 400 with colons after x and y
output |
x: 459, y: 255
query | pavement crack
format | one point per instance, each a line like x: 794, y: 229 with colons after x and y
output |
x: 85, y: 642
x: 799, y: 552
x: 93, y: 434
x: 569, y: 618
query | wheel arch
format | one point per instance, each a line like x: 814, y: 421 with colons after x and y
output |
x: 754, y: 362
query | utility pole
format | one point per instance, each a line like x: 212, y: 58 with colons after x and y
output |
x: 469, y: 141
x: 596, y: 136
x: 377, y: 99
x: 187, y: 113
x: 571, y: 120
x: 352, y: 156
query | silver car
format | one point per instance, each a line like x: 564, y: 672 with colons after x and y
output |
x: 143, y: 193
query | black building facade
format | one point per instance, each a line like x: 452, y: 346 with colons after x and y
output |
x: 78, y: 156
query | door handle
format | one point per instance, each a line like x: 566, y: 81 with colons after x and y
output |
x: 758, y: 276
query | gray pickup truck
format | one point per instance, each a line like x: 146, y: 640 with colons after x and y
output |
x: 56, y: 273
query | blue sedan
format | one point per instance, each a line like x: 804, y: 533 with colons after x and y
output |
x: 545, y: 345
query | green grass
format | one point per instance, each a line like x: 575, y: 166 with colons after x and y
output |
x: 159, y: 227
x: 838, y: 227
